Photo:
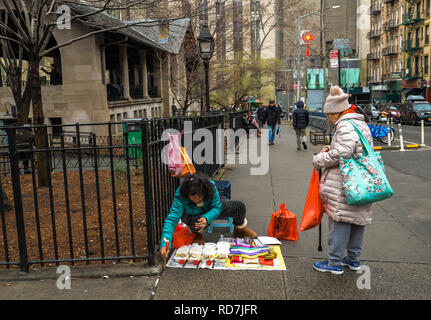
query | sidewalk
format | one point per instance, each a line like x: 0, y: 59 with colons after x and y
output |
x: 396, y: 249
x: 399, y: 259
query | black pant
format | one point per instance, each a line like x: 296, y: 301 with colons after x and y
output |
x: 230, y: 209
x: 25, y: 157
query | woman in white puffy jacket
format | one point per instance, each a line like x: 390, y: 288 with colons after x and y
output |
x: 346, y: 222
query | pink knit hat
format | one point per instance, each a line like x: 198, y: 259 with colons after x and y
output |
x: 337, y: 101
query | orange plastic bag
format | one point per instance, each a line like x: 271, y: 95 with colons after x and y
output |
x: 182, y: 236
x: 188, y: 167
x: 283, y: 225
x: 313, y: 209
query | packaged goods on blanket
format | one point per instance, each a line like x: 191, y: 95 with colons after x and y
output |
x: 234, y: 250
x: 249, y: 251
x: 182, y: 254
x: 261, y: 255
x: 196, y: 253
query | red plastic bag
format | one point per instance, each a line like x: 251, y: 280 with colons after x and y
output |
x: 283, y: 225
x: 313, y: 209
x: 182, y: 236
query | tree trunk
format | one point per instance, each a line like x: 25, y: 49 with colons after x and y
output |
x: 23, y: 105
x: 40, y: 137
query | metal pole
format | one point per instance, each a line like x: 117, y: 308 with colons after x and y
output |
x: 389, y: 132
x: 323, y: 46
x: 422, y: 133
x: 148, y: 190
x: 17, y: 197
x: 401, y: 138
x: 298, y: 62
x: 319, y: 247
x: 339, y: 68
x: 207, y: 84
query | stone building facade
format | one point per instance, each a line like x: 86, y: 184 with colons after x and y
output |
x: 111, y: 76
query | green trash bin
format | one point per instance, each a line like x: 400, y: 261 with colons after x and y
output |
x: 132, y: 132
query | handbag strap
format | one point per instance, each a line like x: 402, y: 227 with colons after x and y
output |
x: 364, y: 141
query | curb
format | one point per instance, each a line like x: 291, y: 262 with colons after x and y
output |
x: 407, y: 146
x: 109, y: 271
x: 387, y: 147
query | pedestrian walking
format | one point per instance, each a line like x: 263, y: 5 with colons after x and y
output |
x: 24, y: 142
x: 301, y: 119
x: 261, y: 116
x: 272, y: 119
x: 249, y: 123
x: 346, y: 222
x: 197, y: 203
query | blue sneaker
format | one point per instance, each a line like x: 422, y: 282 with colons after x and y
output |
x: 324, y: 267
x: 352, y: 265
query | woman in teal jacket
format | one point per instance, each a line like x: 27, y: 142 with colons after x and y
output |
x: 197, y: 203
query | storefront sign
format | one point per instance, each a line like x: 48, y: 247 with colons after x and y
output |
x: 411, y: 84
x: 381, y: 87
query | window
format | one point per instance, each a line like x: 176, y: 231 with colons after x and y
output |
x: 112, y: 119
x: 426, y: 63
x: 427, y: 8
x: 119, y: 119
x: 56, y: 126
x: 427, y: 34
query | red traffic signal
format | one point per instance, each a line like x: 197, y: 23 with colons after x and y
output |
x: 307, y: 37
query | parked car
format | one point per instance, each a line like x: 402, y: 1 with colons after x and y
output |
x: 414, y: 111
x: 372, y: 111
x: 392, y: 111
x: 317, y: 113
x: 415, y: 98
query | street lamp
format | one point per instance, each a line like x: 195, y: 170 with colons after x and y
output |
x: 206, y: 47
x: 298, y: 71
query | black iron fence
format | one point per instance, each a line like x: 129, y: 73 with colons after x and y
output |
x: 321, y: 130
x: 107, y: 198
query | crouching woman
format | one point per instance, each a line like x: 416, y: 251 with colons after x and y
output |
x: 197, y: 203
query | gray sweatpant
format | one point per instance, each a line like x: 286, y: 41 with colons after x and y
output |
x: 344, y: 236
x: 300, y: 137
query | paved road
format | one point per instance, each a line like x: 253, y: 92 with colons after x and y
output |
x: 416, y: 162
x: 412, y: 134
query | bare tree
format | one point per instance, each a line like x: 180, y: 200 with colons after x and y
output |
x: 186, y: 80
x: 26, y: 27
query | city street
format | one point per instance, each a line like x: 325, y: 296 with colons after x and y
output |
x: 397, y: 245
x: 412, y: 134
x: 415, y: 161
x: 107, y: 107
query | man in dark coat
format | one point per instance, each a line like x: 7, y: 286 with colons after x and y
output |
x: 25, y: 141
x: 261, y: 115
x: 272, y: 119
x: 300, y: 123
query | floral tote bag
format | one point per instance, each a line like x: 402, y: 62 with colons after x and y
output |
x: 364, y: 178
